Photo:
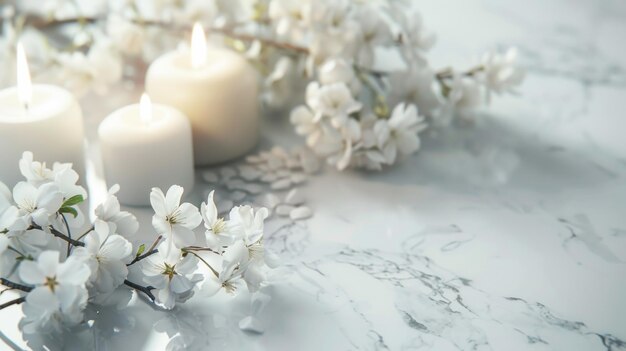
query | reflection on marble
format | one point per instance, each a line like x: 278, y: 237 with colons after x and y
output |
x: 507, y: 234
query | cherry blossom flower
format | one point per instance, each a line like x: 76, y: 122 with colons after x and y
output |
x: 109, y: 213
x: 374, y: 32
x: 333, y: 101
x: 106, y: 254
x: 171, y: 274
x: 173, y: 219
x: 234, y: 262
x: 304, y: 121
x: 399, y: 134
x: 37, y: 204
x: 250, y: 226
x: 127, y: 36
x: 62, y: 174
x: 339, y: 71
x: 500, y: 73
x: 59, y: 295
x: 414, y: 38
x: 291, y: 17
x: 219, y: 232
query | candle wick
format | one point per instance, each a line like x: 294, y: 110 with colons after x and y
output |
x: 26, y: 107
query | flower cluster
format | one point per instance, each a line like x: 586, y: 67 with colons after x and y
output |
x: 359, y: 110
x: 57, y: 274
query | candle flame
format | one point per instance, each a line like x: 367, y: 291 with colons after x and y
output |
x: 145, y: 108
x: 24, y: 85
x: 198, y: 46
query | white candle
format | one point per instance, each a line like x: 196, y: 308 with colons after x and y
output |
x: 217, y: 89
x: 44, y: 119
x: 145, y: 146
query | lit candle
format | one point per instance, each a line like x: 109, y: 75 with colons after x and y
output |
x: 145, y: 146
x: 44, y: 119
x: 217, y: 89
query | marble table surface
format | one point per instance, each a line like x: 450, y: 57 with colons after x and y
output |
x: 507, y: 234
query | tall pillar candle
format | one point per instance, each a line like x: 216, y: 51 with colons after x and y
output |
x: 44, y: 119
x: 217, y: 89
x: 145, y: 146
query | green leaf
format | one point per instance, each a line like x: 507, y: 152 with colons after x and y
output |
x: 70, y: 210
x: 141, y: 249
x: 74, y: 200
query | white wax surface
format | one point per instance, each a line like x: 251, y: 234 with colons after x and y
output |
x: 139, y: 156
x: 220, y: 99
x: 52, y: 129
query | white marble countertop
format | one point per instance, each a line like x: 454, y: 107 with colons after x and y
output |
x: 509, y: 234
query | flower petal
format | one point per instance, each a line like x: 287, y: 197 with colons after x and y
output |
x: 30, y: 273
x: 172, y: 198
x: 157, y: 200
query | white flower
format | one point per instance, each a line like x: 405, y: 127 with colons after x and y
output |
x: 126, y: 35
x: 414, y: 86
x: 333, y: 101
x: 59, y: 295
x: 27, y: 242
x: 218, y: 231
x: 230, y: 277
x: 61, y: 174
x: 414, y: 38
x: 35, y: 172
x: 106, y: 254
x: 291, y: 17
x: 337, y: 144
x: 250, y: 225
x: 500, y: 73
x: 108, y: 213
x: 374, y: 32
x: 171, y: 218
x: 332, y: 17
x: 37, y: 204
x: 171, y: 275
x: 101, y: 67
x: 304, y: 121
x: 14, y: 224
x: 464, y: 96
x: 368, y: 155
x: 339, y: 71
x: 399, y: 133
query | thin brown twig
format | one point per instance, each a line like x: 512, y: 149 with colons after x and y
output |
x: 217, y: 275
x: 42, y: 23
x: 15, y: 286
x: 144, y: 289
x: 448, y: 73
x: 17, y: 301
x: 58, y: 234
x: 151, y: 251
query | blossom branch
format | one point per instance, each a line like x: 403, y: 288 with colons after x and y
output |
x: 199, y: 248
x: 448, y: 73
x: 58, y: 234
x: 43, y: 23
x: 12, y: 302
x: 144, y: 289
x: 151, y: 251
x: 86, y: 232
x: 69, y: 233
x: 15, y: 286
x: 203, y: 261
